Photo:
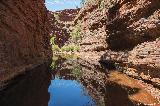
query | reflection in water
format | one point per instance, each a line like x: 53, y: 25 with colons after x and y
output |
x: 75, y: 82
x: 64, y: 89
x: 28, y: 90
x: 68, y: 93
x: 97, y: 90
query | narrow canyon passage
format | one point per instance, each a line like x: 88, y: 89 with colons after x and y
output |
x: 80, y: 53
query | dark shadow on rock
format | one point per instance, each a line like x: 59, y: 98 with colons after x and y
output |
x: 120, y: 35
x: 29, y: 90
x: 107, y: 65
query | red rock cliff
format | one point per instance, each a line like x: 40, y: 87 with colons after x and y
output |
x: 125, y: 23
x: 61, y: 23
x: 24, y: 36
x: 129, y: 26
x: 67, y: 14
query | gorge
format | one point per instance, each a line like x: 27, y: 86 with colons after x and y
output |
x: 107, y: 51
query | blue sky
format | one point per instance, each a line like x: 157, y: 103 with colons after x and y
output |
x: 54, y: 5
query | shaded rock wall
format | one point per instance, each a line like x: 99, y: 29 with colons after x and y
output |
x: 132, y: 22
x: 61, y: 25
x: 31, y: 89
x: 59, y: 31
x: 24, y: 35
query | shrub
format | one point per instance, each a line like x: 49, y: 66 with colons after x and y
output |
x: 83, y: 2
x: 53, y: 64
x: 69, y: 56
x: 52, y: 40
x: 76, y: 33
x: 56, y: 16
x: 56, y: 48
x: 102, y: 4
x: 77, y: 72
x: 68, y: 48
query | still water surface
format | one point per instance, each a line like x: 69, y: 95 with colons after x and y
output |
x: 73, y: 82
x: 42, y: 86
x: 68, y: 93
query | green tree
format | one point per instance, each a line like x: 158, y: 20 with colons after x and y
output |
x: 83, y: 2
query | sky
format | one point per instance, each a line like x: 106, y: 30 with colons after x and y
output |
x: 55, y: 5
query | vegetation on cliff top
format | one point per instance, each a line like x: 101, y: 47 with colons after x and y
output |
x: 65, y: 48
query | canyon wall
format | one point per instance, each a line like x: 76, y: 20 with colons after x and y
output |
x: 24, y: 36
x: 61, y: 25
x: 67, y: 14
x: 128, y: 31
x: 125, y: 23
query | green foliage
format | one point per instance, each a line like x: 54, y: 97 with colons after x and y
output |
x: 68, y: 48
x: 52, y: 40
x: 56, y: 48
x: 69, y: 56
x: 102, y: 4
x: 83, y: 2
x: 76, y: 33
x: 76, y: 72
x: 56, y: 16
x: 53, y: 64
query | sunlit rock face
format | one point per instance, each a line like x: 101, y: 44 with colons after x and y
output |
x: 147, y: 53
x: 126, y: 30
x: 67, y: 14
x: 146, y: 58
x: 24, y: 36
x: 124, y: 23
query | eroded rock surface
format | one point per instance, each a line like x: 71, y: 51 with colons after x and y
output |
x: 126, y: 22
x: 24, y: 36
x: 61, y: 25
x: 67, y: 14
x: 146, y: 59
x: 147, y: 53
x: 126, y: 30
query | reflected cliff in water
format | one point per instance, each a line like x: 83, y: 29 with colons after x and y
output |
x: 30, y: 89
x: 75, y: 83
x: 65, y: 88
x: 71, y: 82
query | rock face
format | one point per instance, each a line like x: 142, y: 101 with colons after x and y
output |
x: 136, y: 22
x: 146, y: 58
x: 126, y: 22
x: 34, y: 85
x: 59, y: 31
x: 67, y: 14
x: 94, y: 36
x: 24, y: 36
x: 61, y: 23
x: 126, y: 29
x: 147, y: 53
